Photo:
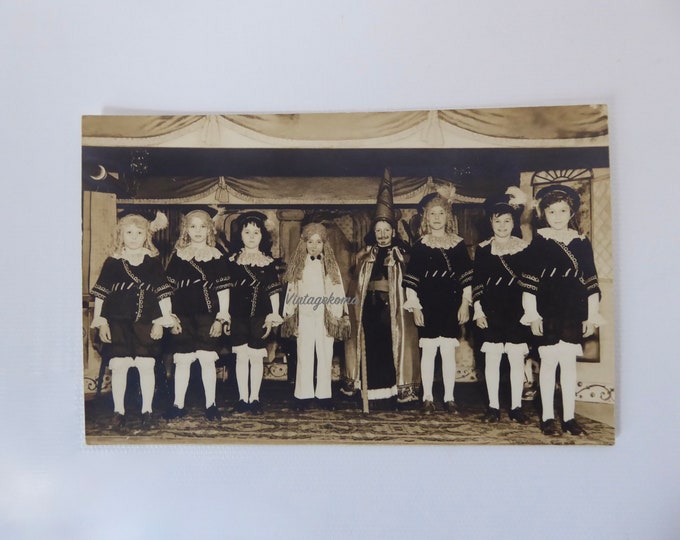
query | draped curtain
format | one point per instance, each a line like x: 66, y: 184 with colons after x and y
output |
x: 570, y: 122
x: 283, y: 189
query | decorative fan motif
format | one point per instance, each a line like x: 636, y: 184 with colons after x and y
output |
x: 563, y: 175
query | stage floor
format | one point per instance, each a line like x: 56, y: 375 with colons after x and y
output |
x: 282, y: 424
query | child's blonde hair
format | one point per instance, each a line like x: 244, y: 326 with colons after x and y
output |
x: 297, y: 263
x: 138, y: 221
x: 437, y: 200
x: 184, y: 240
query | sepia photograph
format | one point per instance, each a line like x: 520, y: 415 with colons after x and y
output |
x: 435, y: 277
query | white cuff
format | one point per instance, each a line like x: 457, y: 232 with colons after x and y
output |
x: 530, y: 310
x: 167, y: 321
x: 273, y: 318
x: 98, y: 321
x: 467, y: 294
x: 479, y: 312
x: 412, y: 301
x: 222, y: 316
x: 594, y: 316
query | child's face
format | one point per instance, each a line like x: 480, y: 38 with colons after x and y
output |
x: 133, y: 236
x: 558, y: 215
x: 251, y: 236
x: 197, y: 230
x: 502, y: 225
x: 383, y: 233
x: 436, y: 218
x: 314, y: 245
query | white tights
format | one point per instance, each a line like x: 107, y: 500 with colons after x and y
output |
x: 147, y: 380
x: 493, y: 352
x: 447, y: 349
x: 249, y: 362
x: 561, y: 354
x: 183, y: 363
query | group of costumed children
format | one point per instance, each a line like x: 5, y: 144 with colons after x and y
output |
x: 544, y: 294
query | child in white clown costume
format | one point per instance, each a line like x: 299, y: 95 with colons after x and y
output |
x: 315, y: 313
x: 132, y: 305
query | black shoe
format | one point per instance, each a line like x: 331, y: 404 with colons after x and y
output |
x: 174, y: 413
x: 428, y: 407
x: 517, y: 415
x: 327, y: 404
x: 300, y: 405
x: 347, y: 388
x: 118, y: 423
x: 529, y: 392
x: 256, y: 408
x: 242, y: 407
x: 146, y: 420
x: 451, y: 407
x: 213, y: 413
x: 492, y: 416
x: 573, y: 427
x: 549, y: 428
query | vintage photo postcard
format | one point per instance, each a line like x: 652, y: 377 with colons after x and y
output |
x: 422, y: 277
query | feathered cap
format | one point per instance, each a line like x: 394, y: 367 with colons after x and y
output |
x: 157, y: 219
x: 444, y: 196
x: 384, y: 210
x: 512, y: 202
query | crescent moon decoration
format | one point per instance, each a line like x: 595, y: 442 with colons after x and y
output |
x: 100, y: 175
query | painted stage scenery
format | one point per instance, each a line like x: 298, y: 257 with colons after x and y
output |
x: 421, y: 277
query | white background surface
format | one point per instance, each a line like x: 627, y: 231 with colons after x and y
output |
x: 59, y: 60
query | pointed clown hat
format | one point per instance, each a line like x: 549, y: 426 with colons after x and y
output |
x: 384, y: 210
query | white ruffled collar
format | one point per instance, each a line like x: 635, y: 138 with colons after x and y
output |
x: 447, y: 241
x: 202, y: 253
x: 253, y: 259
x: 135, y: 258
x: 565, y: 236
x: 510, y: 247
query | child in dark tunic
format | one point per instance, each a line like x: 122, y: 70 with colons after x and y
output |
x: 438, y: 282
x: 199, y: 274
x: 253, y: 305
x: 561, y: 300
x: 497, y: 298
x: 132, y: 305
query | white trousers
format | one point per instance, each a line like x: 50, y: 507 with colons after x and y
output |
x: 312, y: 337
x: 119, y: 366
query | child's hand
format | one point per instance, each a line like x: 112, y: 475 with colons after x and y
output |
x: 156, y: 331
x: 464, y: 313
x: 268, y: 326
x: 177, y: 329
x: 418, y: 317
x: 105, y: 333
x: 588, y: 329
x: 482, y: 322
x: 537, y: 327
x: 215, y: 329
